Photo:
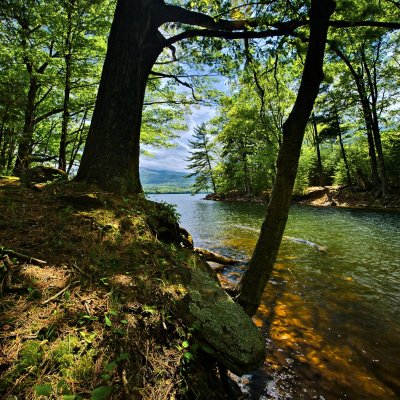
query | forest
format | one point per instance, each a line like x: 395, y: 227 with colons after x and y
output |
x: 303, y: 93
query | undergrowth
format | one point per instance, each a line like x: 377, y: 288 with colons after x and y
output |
x: 93, y: 321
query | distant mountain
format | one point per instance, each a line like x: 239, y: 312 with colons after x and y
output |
x: 163, y: 181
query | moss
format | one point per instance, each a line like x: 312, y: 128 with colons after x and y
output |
x: 220, y: 322
x: 31, y: 354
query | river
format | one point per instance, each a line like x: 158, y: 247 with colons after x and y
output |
x: 331, y: 318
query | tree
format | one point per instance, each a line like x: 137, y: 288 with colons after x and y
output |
x: 111, y: 155
x: 263, y: 259
x: 200, y: 160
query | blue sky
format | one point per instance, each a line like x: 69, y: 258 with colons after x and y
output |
x: 174, y: 158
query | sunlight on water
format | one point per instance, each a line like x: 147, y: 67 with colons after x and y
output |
x: 331, y: 318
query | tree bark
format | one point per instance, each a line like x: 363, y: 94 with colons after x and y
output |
x: 25, y: 143
x: 262, y: 262
x: 342, y: 147
x: 373, y: 103
x: 62, y: 153
x: 320, y: 170
x: 366, y: 109
x: 111, y: 154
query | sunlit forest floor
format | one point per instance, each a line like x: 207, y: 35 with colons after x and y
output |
x: 82, y: 307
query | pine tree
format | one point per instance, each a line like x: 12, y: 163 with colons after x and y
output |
x: 200, y: 160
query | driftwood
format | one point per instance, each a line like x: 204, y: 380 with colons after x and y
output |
x: 22, y: 257
x: 208, y: 255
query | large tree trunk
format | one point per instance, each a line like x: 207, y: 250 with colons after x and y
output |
x: 111, y: 155
x: 264, y: 256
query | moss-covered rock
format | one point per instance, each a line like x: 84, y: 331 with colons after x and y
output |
x: 225, y: 330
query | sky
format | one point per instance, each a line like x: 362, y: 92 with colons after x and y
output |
x: 174, y: 158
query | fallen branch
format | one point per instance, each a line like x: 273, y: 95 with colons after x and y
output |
x: 58, y: 294
x: 215, y: 257
x: 22, y: 257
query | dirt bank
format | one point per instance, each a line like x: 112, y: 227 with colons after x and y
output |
x: 351, y: 197
x: 328, y: 196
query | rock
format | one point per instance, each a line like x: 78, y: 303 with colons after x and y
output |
x: 42, y: 174
x: 225, y: 331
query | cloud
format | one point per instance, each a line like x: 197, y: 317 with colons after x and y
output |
x: 174, y: 158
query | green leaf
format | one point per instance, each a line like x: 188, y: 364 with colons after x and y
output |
x: 109, y: 367
x: 122, y: 357
x: 101, y: 393
x: 185, y: 344
x: 107, y: 320
x: 68, y: 397
x: 188, y: 356
x: 121, y: 332
x: 43, y: 390
x: 124, y: 321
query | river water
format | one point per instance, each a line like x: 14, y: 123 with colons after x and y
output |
x: 331, y: 312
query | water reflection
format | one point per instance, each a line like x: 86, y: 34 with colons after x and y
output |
x: 331, y: 320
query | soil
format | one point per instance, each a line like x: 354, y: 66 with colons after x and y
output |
x: 350, y: 197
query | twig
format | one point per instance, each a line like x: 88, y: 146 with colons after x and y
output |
x: 22, y: 257
x: 58, y: 294
x: 74, y: 265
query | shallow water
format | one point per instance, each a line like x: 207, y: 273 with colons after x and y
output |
x: 331, y: 318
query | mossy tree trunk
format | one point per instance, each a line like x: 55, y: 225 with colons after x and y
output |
x: 262, y: 262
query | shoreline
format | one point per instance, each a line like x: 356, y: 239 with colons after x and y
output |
x: 328, y: 196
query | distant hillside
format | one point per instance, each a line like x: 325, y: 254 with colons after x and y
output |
x: 165, y: 181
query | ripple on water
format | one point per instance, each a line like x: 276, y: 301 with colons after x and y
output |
x: 331, y: 320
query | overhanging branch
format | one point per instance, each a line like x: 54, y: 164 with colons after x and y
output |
x: 177, y: 80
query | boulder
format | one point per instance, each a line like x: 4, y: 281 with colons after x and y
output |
x: 219, y: 324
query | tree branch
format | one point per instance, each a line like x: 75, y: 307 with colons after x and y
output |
x: 48, y: 114
x: 234, y: 35
x: 184, y: 16
x: 177, y: 80
x: 353, y: 24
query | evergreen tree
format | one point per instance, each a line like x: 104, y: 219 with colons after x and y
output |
x: 200, y: 160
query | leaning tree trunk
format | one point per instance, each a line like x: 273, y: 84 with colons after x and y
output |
x: 111, y: 155
x: 262, y: 262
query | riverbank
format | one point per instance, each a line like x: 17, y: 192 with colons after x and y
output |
x: 98, y: 296
x: 328, y: 196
